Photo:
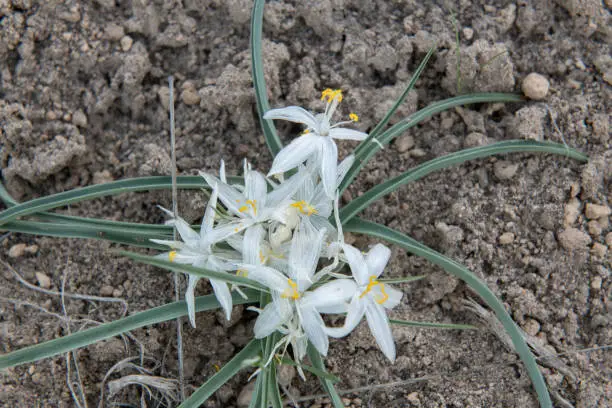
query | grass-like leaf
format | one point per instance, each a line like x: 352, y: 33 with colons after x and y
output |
x: 387, y: 136
x: 431, y: 325
x: 192, y: 270
x: 230, y: 369
x: 259, y: 82
x: 454, y: 268
x: 328, y: 385
x: 104, y: 331
x: 511, y: 146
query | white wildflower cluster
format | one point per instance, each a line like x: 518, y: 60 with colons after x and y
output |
x: 278, y: 234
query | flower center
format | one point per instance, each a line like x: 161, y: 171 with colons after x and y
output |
x: 291, y: 292
x: 242, y: 272
x: 304, y: 208
x: 249, y: 203
x: 379, y: 295
x: 171, y: 255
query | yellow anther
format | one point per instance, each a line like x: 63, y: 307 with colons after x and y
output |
x: 354, y: 117
x: 304, y: 208
x: 242, y: 272
x: 243, y: 208
x: 262, y: 258
x: 172, y: 256
x: 217, y: 367
x: 326, y: 93
x: 331, y: 94
x: 251, y: 203
x: 306, y: 131
x: 371, y: 284
x: 292, y: 292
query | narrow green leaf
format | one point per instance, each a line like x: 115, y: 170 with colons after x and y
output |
x: 192, y: 270
x: 328, y: 385
x: 428, y: 325
x: 274, y: 397
x: 104, y: 331
x: 259, y: 81
x: 395, y: 237
x: 512, y: 146
x: 256, y: 397
x: 406, y: 279
x: 238, y: 362
x: 387, y: 136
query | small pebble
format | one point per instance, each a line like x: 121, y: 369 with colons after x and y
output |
x: 609, y: 239
x: 418, y: 152
x: 190, y: 97
x: 535, y: 86
x: 285, y: 375
x: 594, y: 228
x: 506, y: 238
x: 594, y: 211
x: 599, y: 250
x: 505, y: 170
x: 126, y: 43
x: 114, y: 32
x: 106, y: 290
x: 404, y: 143
x: 43, y: 280
x: 468, y: 33
x: 17, y: 250
x: 596, y: 283
x: 573, y: 239
x: 31, y: 249
x: 571, y: 212
x: 475, y: 139
x: 79, y: 119
x: 531, y: 326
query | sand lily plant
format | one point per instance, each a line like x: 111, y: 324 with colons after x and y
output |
x: 274, y: 241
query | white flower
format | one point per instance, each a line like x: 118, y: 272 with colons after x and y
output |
x: 196, y: 249
x: 317, y: 142
x: 290, y: 296
x: 371, y: 298
x: 254, y: 204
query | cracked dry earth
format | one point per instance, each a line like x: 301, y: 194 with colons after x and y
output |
x: 83, y: 98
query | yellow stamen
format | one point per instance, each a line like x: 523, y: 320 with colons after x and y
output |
x: 354, y: 117
x: 217, y: 367
x: 262, y: 258
x: 292, y: 292
x: 172, y: 256
x: 253, y: 203
x: 306, y: 131
x: 326, y: 93
x: 304, y: 208
x: 331, y: 94
x: 373, y: 282
x: 242, y: 272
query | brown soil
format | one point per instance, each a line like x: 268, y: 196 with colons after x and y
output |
x: 82, y: 100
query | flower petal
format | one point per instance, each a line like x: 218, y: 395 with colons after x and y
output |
x: 295, y: 153
x: 190, y: 298
x: 329, y: 167
x: 357, y: 264
x: 209, y: 215
x: 269, y: 277
x: 185, y: 231
x: 314, y: 327
x: 379, y: 326
x: 223, y: 295
x: 344, y: 167
x: 228, y: 195
x: 292, y: 114
x: 256, y: 188
x: 331, y: 293
x: 304, y: 255
x: 355, y: 312
x: 347, y: 134
x: 395, y: 297
x: 251, y: 245
x: 377, y: 259
x: 267, y: 322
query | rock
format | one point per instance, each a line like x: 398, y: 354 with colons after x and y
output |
x: 126, y: 43
x: 113, y: 32
x: 529, y: 123
x: 404, y: 143
x: 506, y: 238
x: 418, y: 152
x: 475, y: 139
x: 608, y: 239
x: 592, y: 177
x: 17, y: 250
x: 596, y: 283
x: 535, y: 86
x: 468, y: 33
x: 599, y: 250
x: 285, y: 374
x: 31, y: 249
x: 531, y: 326
x: 246, y: 395
x: 572, y: 239
x: 594, y: 211
x: 106, y: 290
x: 594, y: 228
x: 190, y: 97
x: 79, y: 119
x: 43, y: 280
x: 571, y: 212
x: 505, y: 170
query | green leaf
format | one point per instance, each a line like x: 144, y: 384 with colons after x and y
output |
x: 104, y: 331
x: 428, y: 325
x: 230, y: 369
x: 406, y: 279
x: 192, y: 270
x: 259, y: 82
x: 274, y: 396
x: 328, y: 385
x: 512, y: 146
x: 395, y: 237
x: 386, y: 137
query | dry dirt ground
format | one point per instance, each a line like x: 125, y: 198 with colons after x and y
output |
x: 82, y: 100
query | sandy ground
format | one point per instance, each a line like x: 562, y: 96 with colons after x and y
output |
x: 82, y: 100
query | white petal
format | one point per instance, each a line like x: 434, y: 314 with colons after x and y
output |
x: 184, y: 229
x: 269, y: 277
x: 190, y: 298
x: 377, y: 259
x: 224, y: 231
x: 347, y: 134
x: 229, y: 196
x: 267, y: 322
x: 286, y: 189
x: 209, y: 215
x: 395, y: 297
x: 223, y: 295
x: 355, y: 312
x: 313, y: 325
x: 344, y: 167
x: 256, y: 188
x: 357, y: 264
x: 329, y: 167
x: 340, y: 308
x: 379, y: 326
x: 292, y: 114
x: 304, y: 256
x: 295, y: 153
x: 331, y: 293
x: 251, y: 245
